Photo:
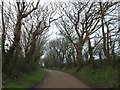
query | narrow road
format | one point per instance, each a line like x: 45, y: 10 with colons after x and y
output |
x: 57, y: 79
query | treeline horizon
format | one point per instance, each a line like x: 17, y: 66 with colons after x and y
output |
x: 24, y: 25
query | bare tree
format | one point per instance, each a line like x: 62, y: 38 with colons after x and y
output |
x: 79, y: 22
x: 105, y: 10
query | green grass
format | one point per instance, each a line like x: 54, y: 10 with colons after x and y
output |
x: 28, y: 80
x: 106, y: 76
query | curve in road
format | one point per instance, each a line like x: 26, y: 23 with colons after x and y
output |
x: 57, y: 79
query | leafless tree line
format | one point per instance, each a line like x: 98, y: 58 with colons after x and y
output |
x: 23, y: 34
x: 91, y: 28
x: 88, y: 28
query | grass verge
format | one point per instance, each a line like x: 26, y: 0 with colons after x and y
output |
x: 27, y: 80
x: 105, y: 77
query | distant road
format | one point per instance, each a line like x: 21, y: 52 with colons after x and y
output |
x: 57, y: 79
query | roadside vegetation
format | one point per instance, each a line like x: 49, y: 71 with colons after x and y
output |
x: 102, y: 77
x: 90, y: 42
x: 87, y: 40
x: 22, y: 41
x: 25, y: 81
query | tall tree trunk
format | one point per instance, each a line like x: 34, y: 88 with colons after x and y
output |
x: 17, y: 35
x: 73, y: 55
x: 90, y: 51
x: 108, y: 43
x: 3, y: 31
x: 31, y: 51
x: 14, y: 49
x: 3, y: 38
x: 103, y: 31
x: 79, y: 56
x: 91, y: 59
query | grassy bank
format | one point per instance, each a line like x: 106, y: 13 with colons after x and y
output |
x: 106, y: 76
x: 27, y: 80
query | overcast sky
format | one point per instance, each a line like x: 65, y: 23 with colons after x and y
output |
x: 53, y: 29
